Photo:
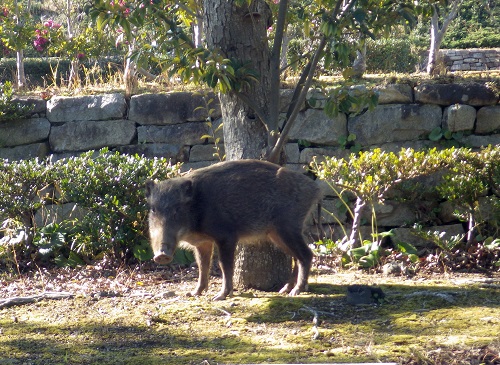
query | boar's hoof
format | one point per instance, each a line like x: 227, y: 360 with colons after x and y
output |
x: 222, y: 295
x: 219, y: 297
x: 286, y: 289
x: 195, y: 293
x: 297, y: 290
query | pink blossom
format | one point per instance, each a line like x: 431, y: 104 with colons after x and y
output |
x: 39, y: 43
x: 80, y: 55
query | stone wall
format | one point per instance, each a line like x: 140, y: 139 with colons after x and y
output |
x: 473, y: 59
x: 171, y: 125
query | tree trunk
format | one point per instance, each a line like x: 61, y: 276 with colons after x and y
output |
x: 21, y: 78
x: 359, y: 64
x: 130, y: 73
x: 354, y: 241
x: 437, y: 34
x: 240, y: 33
x: 74, y: 76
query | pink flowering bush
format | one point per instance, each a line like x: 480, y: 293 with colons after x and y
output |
x: 43, y: 36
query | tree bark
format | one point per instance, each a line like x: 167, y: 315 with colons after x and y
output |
x: 240, y: 33
x: 437, y: 34
x: 20, y: 77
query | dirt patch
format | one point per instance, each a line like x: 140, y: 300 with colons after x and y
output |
x: 141, y: 315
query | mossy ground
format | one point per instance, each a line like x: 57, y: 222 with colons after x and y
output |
x: 137, y: 317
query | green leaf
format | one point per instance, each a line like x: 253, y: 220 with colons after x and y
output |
x: 143, y: 251
x: 436, y: 134
x: 407, y: 248
x: 183, y: 257
x: 368, y: 261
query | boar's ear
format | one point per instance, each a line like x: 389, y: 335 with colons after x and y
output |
x: 187, y: 190
x: 150, y: 184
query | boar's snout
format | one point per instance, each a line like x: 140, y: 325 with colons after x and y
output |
x: 162, y: 258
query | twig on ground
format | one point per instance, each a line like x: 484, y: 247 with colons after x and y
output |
x: 315, y: 321
x: 10, y: 302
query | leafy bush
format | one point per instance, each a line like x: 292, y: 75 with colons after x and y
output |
x: 108, y: 187
x: 369, y: 175
x: 20, y: 187
x: 471, y: 181
x: 391, y: 55
x: 481, y: 38
x: 472, y: 176
x: 10, y: 110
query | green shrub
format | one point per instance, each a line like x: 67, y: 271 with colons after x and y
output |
x: 108, y: 187
x: 391, y: 55
x: 10, y: 110
x: 471, y: 177
x: 471, y: 182
x: 480, y: 38
x: 20, y: 185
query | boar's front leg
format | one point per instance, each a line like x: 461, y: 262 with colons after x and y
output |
x: 226, y: 262
x: 203, y: 253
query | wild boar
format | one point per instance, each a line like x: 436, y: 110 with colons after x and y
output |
x: 227, y: 203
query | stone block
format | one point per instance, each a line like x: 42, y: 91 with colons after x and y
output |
x: 25, y: 152
x: 174, y: 152
x: 307, y: 154
x: 394, y: 122
x: 316, y: 127
x: 408, y: 235
x: 332, y: 212
x: 459, y: 117
x: 205, y: 152
x: 395, y: 94
x: 476, y: 141
x: 488, y: 119
x: 23, y: 131
x: 86, y: 108
x: 286, y: 98
x: 183, y: 134
x: 173, y: 108
x: 89, y: 135
x: 56, y: 213
x: 39, y: 105
x: 292, y: 153
x: 391, y: 214
x: 448, y: 94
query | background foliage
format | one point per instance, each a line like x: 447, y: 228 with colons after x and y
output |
x: 108, y: 190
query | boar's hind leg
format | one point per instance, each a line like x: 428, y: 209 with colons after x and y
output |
x: 203, y: 253
x: 226, y: 262
x: 293, y: 242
